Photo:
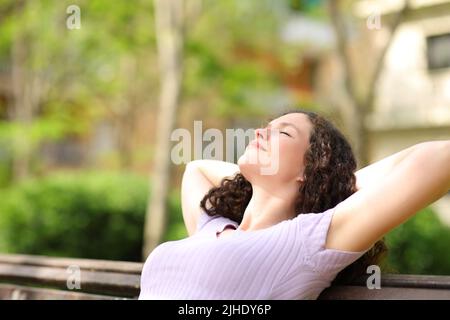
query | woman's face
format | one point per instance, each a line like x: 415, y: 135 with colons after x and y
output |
x: 276, y: 154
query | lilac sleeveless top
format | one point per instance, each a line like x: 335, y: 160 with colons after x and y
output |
x: 285, y: 261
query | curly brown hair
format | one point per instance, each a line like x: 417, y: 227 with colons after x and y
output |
x: 329, y: 179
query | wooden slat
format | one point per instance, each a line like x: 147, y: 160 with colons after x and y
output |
x: 385, y: 293
x: 415, y: 281
x: 91, y: 281
x: 14, y: 292
x: 408, y: 281
x: 87, y: 264
x: 122, y: 279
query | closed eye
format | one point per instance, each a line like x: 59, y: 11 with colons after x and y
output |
x: 284, y: 132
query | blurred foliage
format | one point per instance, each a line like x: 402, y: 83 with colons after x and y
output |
x: 101, y: 215
x: 48, y: 69
x: 235, y: 63
x: 106, y: 70
x: 73, y: 79
x: 420, y: 245
x: 86, y: 215
x: 176, y: 229
x: 315, y: 8
x: 102, y: 72
x: 241, y: 74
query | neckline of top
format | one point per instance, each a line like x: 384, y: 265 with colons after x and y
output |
x: 225, y: 227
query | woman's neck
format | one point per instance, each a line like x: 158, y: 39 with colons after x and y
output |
x: 267, y: 208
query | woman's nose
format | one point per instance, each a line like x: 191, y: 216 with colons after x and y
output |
x: 261, y: 133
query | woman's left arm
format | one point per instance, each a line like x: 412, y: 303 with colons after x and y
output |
x: 417, y: 180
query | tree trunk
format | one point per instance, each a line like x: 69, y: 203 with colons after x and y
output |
x: 22, y: 109
x: 356, y: 110
x: 124, y: 130
x: 169, y: 30
x: 125, y: 113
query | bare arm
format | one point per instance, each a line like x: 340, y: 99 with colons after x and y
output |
x: 376, y: 172
x: 420, y: 177
x: 198, y: 178
x: 215, y: 170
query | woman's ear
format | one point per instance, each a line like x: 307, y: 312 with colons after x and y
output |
x: 300, y: 179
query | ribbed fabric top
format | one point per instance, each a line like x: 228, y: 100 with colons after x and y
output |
x: 285, y: 261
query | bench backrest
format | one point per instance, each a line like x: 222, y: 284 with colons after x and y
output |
x: 40, y: 277
x: 393, y: 286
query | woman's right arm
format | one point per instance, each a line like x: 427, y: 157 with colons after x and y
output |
x: 376, y: 172
x: 417, y: 180
x: 198, y: 178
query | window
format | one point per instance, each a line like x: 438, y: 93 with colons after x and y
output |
x: 438, y: 51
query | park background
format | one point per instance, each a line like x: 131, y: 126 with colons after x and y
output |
x: 91, y: 90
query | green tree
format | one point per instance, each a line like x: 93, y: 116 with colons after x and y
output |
x: 360, y: 102
x: 65, y: 81
x: 169, y: 20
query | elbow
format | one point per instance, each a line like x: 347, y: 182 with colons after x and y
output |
x: 447, y: 150
x: 191, y: 165
x: 439, y: 152
x: 436, y: 143
x: 194, y: 166
x: 443, y: 148
x: 190, y: 168
x: 447, y: 147
x: 437, y: 147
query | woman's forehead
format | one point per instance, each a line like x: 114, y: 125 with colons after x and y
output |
x: 299, y: 120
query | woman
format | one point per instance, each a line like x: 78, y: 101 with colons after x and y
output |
x: 289, y: 234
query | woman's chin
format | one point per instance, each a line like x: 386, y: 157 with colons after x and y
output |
x: 249, y: 168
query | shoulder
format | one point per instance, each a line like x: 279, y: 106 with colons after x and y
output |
x: 314, y: 230
x: 212, y: 224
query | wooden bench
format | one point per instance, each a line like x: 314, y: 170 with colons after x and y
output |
x: 40, y: 277
x: 393, y: 286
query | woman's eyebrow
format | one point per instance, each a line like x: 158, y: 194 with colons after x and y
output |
x: 269, y: 122
x: 288, y: 124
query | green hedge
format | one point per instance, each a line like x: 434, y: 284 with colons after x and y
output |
x: 100, y: 215
x: 86, y: 215
x: 420, y: 246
